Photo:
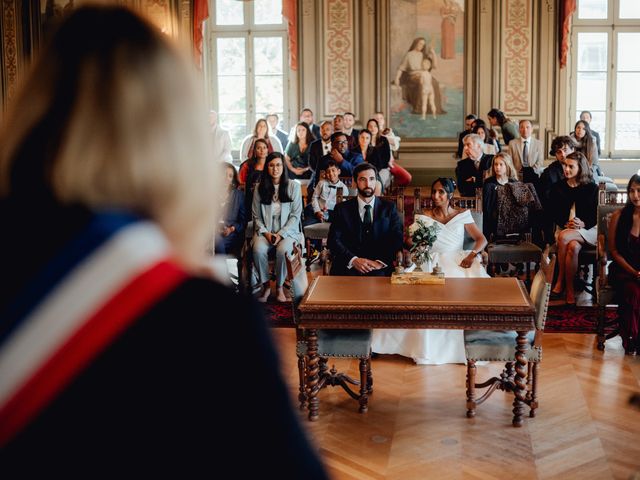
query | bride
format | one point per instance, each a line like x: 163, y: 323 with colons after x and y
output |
x: 433, y: 347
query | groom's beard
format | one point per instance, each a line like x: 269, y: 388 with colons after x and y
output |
x: 366, y: 192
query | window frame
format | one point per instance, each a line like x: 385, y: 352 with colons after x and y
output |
x: 249, y: 31
x: 612, y: 25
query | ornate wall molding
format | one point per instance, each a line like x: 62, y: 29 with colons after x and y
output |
x: 338, y: 38
x: 516, y: 59
x: 9, y: 39
x: 307, y: 7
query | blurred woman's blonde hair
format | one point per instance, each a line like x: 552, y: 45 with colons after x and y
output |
x: 508, y: 162
x: 110, y: 118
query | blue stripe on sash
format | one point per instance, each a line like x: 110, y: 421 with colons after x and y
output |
x: 99, y: 229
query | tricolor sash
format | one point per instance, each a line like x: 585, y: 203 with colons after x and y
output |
x: 78, y: 304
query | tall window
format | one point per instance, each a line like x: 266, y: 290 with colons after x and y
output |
x: 248, y: 70
x: 606, y: 66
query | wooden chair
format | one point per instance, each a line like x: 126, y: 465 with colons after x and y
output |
x: 605, y: 292
x: 523, y: 251
x: 331, y: 343
x: 486, y: 345
x: 422, y: 203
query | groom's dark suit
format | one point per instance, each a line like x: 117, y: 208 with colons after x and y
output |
x: 347, y: 239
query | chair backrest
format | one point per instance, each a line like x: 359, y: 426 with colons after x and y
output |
x: 422, y: 203
x: 606, y: 197
x: 468, y: 242
x: 605, y: 213
x: 398, y: 200
x: 296, y: 274
x: 541, y: 288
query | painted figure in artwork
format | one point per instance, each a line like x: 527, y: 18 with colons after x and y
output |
x: 411, y: 76
x: 449, y: 11
x: 428, y: 92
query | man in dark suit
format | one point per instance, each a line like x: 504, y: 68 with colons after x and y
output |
x: 468, y: 125
x: 470, y: 171
x: 366, y: 231
x: 322, y: 146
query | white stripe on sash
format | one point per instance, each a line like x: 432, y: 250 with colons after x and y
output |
x: 80, y: 294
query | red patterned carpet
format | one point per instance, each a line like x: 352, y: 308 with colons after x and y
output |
x: 566, y: 319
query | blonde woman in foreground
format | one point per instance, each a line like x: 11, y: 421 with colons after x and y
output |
x: 110, y: 347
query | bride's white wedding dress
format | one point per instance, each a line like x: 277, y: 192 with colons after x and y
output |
x: 434, y: 347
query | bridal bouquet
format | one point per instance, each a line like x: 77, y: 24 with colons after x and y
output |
x: 423, y: 233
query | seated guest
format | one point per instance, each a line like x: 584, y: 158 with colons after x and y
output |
x: 509, y: 128
x: 340, y: 154
x: 349, y: 122
x: 276, y: 210
x: 274, y: 129
x: 233, y: 221
x: 526, y: 153
x: 321, y: 146
x: 560, y: 147
x: 585, y: 116
x: 503, y: 172
x: 401, y: 176
x: 366, y: 231
x: 296, y: 156
x: 574, y: 203
x: 383, y: 152
x: 587, y: 145
x: 261, y: 131
x: 392, y: 138
x: 306, y: 116
x: 470, y: 171
x: 369, y: 155
x: 468, y: 124
x: 323, y: 200
x: 624, y: 271
x: 490, y: 145
x: 108, y: 330
x: 251, y: 170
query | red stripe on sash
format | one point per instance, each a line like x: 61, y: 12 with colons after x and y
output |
x: 89, y: 340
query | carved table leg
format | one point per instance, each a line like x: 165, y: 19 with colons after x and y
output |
x: 520, y: 387
x: 364, y: 398
x: 534, y: 390
x: 369, y: 377
x: 312, y: 373
x: 302, y: 373
x: 471, y: 388
x: 529, y: 380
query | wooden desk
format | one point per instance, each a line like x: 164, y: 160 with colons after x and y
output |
x: 461, y: 303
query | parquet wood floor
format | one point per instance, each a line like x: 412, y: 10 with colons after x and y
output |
x: 416, y: 426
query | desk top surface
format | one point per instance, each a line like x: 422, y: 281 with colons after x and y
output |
x: 353, y: 291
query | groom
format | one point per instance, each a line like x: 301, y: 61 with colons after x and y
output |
x: 366, y: 231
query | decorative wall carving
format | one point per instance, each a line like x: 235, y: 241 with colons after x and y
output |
x: 307, y: 7
x: 516, y: 59
x: 9, y: 41
x: 159, y: 12
x: 339, y: 85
